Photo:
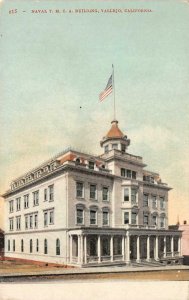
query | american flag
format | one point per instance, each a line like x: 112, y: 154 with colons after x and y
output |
x: 108, y: 90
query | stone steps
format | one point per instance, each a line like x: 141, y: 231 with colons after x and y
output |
x: 147, y: 264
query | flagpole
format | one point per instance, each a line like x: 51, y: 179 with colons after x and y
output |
x: 114, y: 91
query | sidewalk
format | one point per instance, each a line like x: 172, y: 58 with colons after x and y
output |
x: 92, y: 270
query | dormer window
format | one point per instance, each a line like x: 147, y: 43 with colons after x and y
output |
x: 115, y: 146
x: 91, y: 165
x: 77, y: 161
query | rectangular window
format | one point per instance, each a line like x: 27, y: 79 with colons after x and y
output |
x: 91, y: 165
x: 133, y: 218
x: 8, y: 245
x: 145, y: 219
x: 126, y: 218
x: 13, y: 245
x: 162, y: 222
x: 31, y: 221
x: 106, y: 149
x: 162, y: 202
x: 45, y: 219
x: 79, y: 189
x: 11, y: 206
x: 123, y: 148
x: 26, y: 222
x: 18, y: 223
x: 51, y: 217
x: 45, y: 194
x: 18, y: 203
x: 45, y: 246
x: 105, y: 218
x: 145, y: 200
x: 37, y: 245
x: 35, y: 220
x: 133, y: 196
x: 128, y: 173
x: 93, y: 219
x: 92, y: 191
x: 36, y: 198
x: 105, y: 193
x: 11, y: 224
x: 126, y: 194
x: 31, y: 246
x: 51, y: 193
x: 22, y: 245
x: 26, y: 201
x: 133, y: 175
x: 79, y: 216
x: 115, y: 146
x: 123, y: 172
x: 154, y: 220
x: 154, y: 201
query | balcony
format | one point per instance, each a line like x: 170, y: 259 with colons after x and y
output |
x: 126, y: 156
x: 139, y: 226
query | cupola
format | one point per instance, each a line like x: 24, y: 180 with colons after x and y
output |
x: 115, y: 139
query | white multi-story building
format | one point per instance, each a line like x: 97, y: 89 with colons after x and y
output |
x: 81, y: 209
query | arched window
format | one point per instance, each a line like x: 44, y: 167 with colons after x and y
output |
x: 8, y: 245
x: 37, y: 245
x: 31, y: 246
x: 45, y: 246
x: 57, y: 247
x: 22, y: 245
x: 13, y: 246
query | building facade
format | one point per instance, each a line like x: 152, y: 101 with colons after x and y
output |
x: 80, y: 209
x: 185, y: 242
x: 1, y: 244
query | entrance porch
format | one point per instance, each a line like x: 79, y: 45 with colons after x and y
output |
x: 91, y: 247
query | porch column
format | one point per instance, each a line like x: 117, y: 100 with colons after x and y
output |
x: 179, y: 246
x: 81, y: 249
x: 138, y: 248
x: 127, y: 248
x: 156, y: 249
x: 68, y: 248
x: 172, y: 246
x: 111, y: 248
x: 165, y: 247
x: 85, y: 249
x: 123, y: 248
x: 71, y: 241
x: 148, y: 248
x: 99, y: 248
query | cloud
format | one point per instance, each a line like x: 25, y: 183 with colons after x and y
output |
x: 157, y: 138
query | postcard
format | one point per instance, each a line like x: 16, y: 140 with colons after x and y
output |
x: 94, y: 123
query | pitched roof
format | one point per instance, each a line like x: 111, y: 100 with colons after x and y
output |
x: 114, y: 131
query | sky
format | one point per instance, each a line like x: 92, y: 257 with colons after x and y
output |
x: 54, y: 65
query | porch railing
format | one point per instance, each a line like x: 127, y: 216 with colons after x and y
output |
x: 105, y: 258
x: 74, y: 259
x: 118, y: 257
x: 91, y: 259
